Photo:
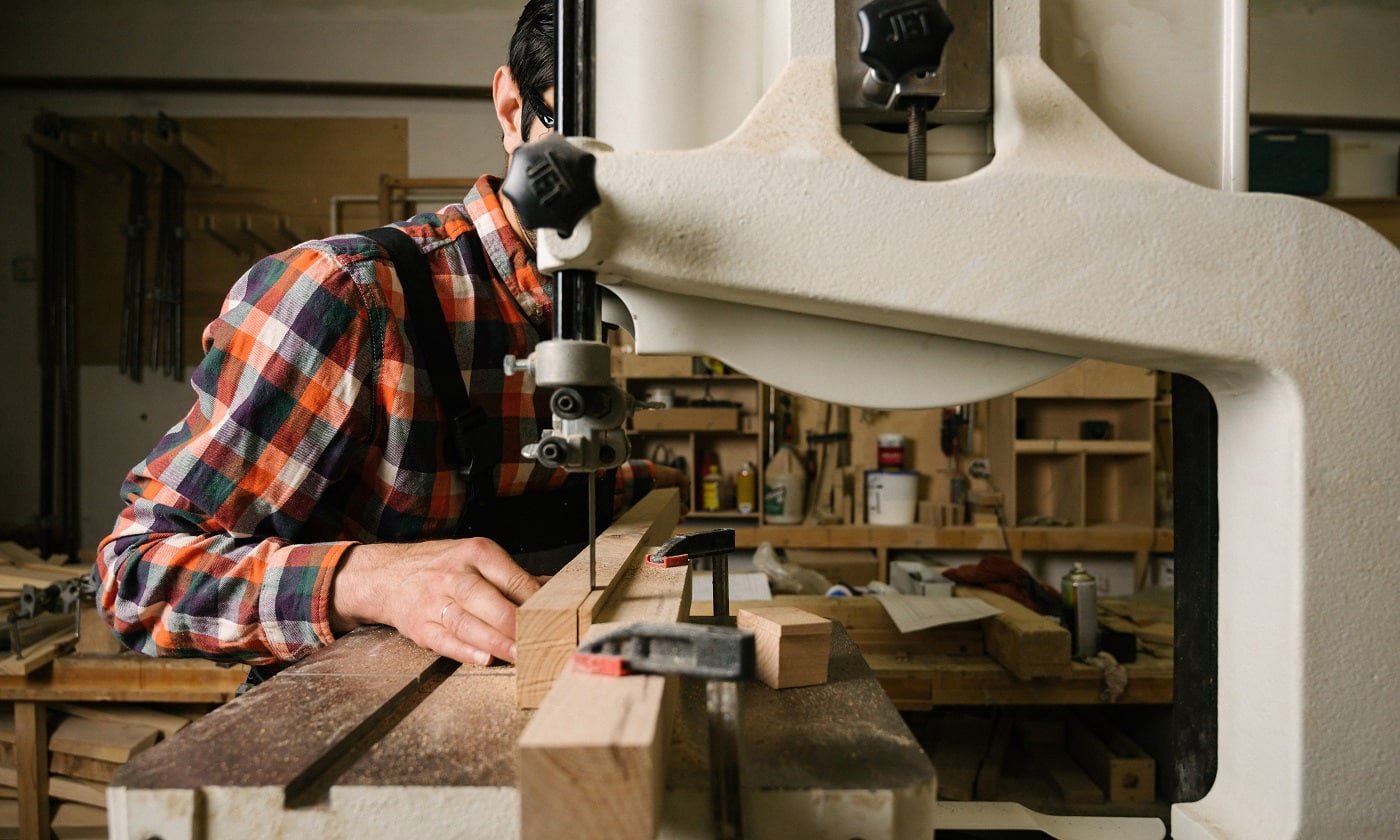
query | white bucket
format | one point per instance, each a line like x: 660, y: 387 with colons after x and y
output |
x: 891, y: 497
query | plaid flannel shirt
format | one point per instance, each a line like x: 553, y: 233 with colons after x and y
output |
x: 314, y: 430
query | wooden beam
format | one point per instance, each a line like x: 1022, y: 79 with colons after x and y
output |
x: 1112, y: 760
x: 103, y: 740
x: 1025, y: 642
x: 592, y: 760
x: 31, y: 760
x: 547, y: 625
x: 603, y: 739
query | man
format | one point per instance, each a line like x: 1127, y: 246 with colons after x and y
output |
x: 310, y: 491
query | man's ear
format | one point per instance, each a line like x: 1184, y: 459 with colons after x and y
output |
x: 509, y: 108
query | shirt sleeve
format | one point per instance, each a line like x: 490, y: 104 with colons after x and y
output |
x: 636, y: 478
x: 209, y: 556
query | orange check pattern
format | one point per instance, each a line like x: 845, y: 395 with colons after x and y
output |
x: 313, y: 430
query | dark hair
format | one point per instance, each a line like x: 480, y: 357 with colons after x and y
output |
x: 532, y: 59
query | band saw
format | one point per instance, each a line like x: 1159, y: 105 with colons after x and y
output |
x: 1099, y: 217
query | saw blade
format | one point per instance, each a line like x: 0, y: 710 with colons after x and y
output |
x: 592, y: 533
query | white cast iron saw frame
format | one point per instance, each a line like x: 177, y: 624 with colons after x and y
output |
x: 1070, y: 245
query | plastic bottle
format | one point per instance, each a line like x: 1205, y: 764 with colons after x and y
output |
x: 745, y: 488
x: 784, y: 488
x: 709, y: 499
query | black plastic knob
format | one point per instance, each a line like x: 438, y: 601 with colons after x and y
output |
x: 901, y: 38
x: 551, y: 184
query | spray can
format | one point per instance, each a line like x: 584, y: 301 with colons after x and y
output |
x: 1080, y: 610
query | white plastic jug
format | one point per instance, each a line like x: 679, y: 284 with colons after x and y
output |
x: 784, y: 488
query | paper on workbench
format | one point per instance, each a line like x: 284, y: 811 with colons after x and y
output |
x: 917, y: 612
x: 743, y: 586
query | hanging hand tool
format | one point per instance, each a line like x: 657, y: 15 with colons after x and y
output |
x: 134, y: 286
x: 902, y: 42
x: 722, y: 657
x: 167, y: 327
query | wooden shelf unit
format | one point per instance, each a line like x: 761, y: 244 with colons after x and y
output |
x: 1046, y: 470
x: 734, y: 437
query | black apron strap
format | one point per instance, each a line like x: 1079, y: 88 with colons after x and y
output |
x: 470, y: 448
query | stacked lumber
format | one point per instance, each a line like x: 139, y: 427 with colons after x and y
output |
x: 1148, y: 614
x: 87, y: 743
x: 47, y: 637
x: 1078, y: 757
x: 1022, y: 640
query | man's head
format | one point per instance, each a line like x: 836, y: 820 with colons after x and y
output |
x: 523, y: 89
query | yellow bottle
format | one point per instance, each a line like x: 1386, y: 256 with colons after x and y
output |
x: 746, y: 487
x: 709, y: 499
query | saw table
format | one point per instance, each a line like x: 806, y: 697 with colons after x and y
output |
x: 374, y: 736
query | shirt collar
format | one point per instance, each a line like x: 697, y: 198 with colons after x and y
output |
x: 512, y: 259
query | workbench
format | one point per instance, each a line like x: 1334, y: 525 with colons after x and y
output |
x: 375, y: 736
x: 92, y: 678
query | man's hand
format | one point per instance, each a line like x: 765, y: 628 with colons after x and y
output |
x: 456, y: 597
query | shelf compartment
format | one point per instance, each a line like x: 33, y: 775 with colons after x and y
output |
x: 1119, y: 491
x: 1050, y: 485
x: 688, y: 419
x: 1058, y: 419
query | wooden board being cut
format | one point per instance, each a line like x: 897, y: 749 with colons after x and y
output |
x: 548, y: 624
x: 1025, y: 642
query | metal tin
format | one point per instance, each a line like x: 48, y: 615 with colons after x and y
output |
x: 1079, y: 614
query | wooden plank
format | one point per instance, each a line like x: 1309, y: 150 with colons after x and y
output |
x: 644, y: 593
x: 103, y: 740
x: 164, y: 722
x: 989, y: 774
x: 1025, y: 643
x: 962, y: 741
x: 78, y: 790
x: 870, y: 625
x: 1072, y: 783
x: 61, y: 787
x: 127, y: 677
x: 920, y: 680
x: 1123, y: 771
x: 687, y: 419
x: 38, y: 655
x: 9, y: 820
x: 592, y: 760
x: 32, y: 765
x: 73, y: 821
x: 83, y: 768
x: 94, y: 636
x: 547, y: 625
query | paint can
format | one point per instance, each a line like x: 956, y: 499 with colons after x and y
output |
x: 1079, y: 593
x: 891, y: 497
x: 889, y: 452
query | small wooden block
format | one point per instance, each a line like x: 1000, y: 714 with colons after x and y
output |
x: 793, y: 646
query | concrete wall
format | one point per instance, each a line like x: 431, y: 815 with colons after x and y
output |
x: 1332, y: 58
x: 417, y: 41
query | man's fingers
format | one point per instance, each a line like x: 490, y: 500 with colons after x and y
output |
x: 479, y: 634
x: 440, y: 639
x: 480, y: 598
x: 503, y: 572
